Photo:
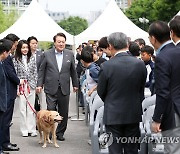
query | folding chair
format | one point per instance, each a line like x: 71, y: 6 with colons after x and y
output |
x: 96, y: 104
x: 153, y: 147
x: 98, y: 130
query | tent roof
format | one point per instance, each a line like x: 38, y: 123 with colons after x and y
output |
x: 36, y: 22
x: 178, y: 13
x: 111, y: 20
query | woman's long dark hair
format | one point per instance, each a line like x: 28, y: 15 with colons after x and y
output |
x: 18, y: 54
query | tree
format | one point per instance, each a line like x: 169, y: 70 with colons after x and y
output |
x: 74, y: 25
x: 166, y: 9
x: 7, y: 20
x: 2, y: 19
x: 152, y: 10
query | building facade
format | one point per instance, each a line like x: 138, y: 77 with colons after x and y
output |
x: 21, y: 5
x: 124, y: 4
x: 18, y: 5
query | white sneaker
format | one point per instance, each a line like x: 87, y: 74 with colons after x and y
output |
x: 33, y: 134
x: 25, y: 135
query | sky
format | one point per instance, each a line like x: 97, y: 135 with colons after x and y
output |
x: 74, y: 6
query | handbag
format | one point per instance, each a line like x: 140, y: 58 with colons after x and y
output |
x: 37, y: 103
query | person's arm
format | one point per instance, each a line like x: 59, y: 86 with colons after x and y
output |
x: 162, y: 79
x: 9, y: 69
x: 94, y: 72
x: 102, y: 84
x: 73, y: 74
x: 41, y: 74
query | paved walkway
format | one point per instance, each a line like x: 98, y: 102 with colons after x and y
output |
x: 75, y: 143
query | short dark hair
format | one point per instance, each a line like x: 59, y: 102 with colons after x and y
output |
x: 103, y: 43
x: 5, y: 45
x: 31, y: 38
x: 134, y: 49
x: 12, y: 37
x: 175, y: 25
x: 59, y: 34
x: 140, y: 41
x: 148, y: 49
x: 87, y: 54
x: 160, y: 30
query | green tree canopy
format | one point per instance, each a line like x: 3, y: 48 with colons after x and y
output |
x: 152, y: 10
x: 74, y: 25
x: 2, y: 19
x: 6, y: 20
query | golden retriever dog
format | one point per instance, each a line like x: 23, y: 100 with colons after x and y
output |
x: 46, y: 124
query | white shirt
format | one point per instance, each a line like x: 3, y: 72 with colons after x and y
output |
x: 59, y: 59
x: 24, y: 60
x: 177, y: 42
x: 120, y: 52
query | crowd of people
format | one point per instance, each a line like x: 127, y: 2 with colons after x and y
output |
x: 120, y: 70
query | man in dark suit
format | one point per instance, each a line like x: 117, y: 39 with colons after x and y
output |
x: 121, y: 87
x: 5, y: 46
x: 12, y: 82
x: 166, y: 116
x: 175, y: 30
x: 57, y: 66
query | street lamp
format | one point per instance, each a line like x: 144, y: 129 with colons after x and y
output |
x: 144, y: 21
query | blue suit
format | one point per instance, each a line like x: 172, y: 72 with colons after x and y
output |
x: 3, y: 100
x: 12, y: 82
x: 178, y: 45
x: 167, y: 83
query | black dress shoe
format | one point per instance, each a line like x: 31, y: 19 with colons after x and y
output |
x: 10, y: 148
x: 11, y: 144
x: 60, y: 138
x: 14, y: 145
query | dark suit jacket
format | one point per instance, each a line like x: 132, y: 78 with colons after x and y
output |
x: 178, y: 45
x: 12, y: 79
x: 39, y: 56
x: 121, y: 87
x: 167, y: 83
x: 51, y: 78
x: 3, y: 90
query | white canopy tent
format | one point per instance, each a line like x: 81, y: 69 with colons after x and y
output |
x: 36, y: 22
x: 178, y: 13
x: 111, y: 20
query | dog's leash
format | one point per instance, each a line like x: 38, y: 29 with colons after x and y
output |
x: 21, y: 90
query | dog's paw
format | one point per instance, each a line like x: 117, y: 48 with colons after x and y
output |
x: 57, y: 146
x: 50, y: 142
x: 44, y: 146
x: 40, y: 142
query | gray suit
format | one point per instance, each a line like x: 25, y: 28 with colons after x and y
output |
x: 50, y: 76
x: 39, y: 55
x: 57, y: 84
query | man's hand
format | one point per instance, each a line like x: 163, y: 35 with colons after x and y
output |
x: 75, y: 89
x: 155, y: 127
x: 38, y: 89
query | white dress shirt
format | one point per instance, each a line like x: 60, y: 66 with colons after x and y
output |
x: 24, y: 60
x: 59, y: 59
